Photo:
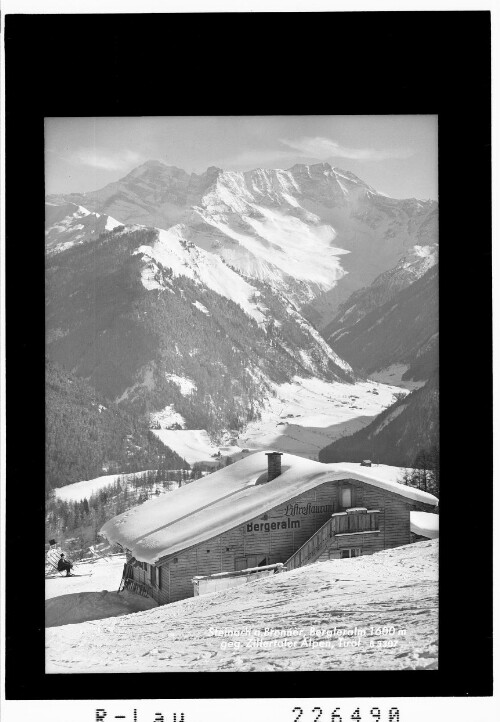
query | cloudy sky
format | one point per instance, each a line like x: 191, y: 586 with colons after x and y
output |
x: 396, y: 154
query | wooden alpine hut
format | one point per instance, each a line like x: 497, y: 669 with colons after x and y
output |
x: 267, y: 509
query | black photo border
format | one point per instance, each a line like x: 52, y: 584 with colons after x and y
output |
x: 262, y: 64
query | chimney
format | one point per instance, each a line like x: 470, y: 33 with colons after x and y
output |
x: 273, y: 464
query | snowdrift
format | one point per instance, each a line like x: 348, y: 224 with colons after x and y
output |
x: 424, y: 524
x: 84, y: 606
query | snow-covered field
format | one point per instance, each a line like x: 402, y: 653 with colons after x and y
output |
x: 84, y: 489
x: 192, y: 445
x: 376, y: 612
x: 309, y: 414
x: 301, y: 419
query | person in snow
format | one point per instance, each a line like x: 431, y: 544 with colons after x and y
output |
x: 64, y: 565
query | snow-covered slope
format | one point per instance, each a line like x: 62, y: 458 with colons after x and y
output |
x: 91, y: 594
x: 305, y: 230
x: 231, y: 496
x: 69, y: 224
x: 171, y: 251
x: 307, y: 614
x: 140, y: 308
x: 84, y: 489
x: 193, y: 445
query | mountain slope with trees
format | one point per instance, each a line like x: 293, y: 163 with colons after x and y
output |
x: 87, y: 435
x: 122, y: 314
x: 372, y: 333
x: 397, y: 435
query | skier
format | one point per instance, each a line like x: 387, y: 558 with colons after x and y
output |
x: 64, y: 565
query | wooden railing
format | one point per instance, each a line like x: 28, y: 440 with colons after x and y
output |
x: 352, y: 522
x: 136, y: 587
x: 359, y: 521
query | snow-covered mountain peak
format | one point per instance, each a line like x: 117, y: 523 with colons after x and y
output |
x: 308, y: 230
x: 70, y: 224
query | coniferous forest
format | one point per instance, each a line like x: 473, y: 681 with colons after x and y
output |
x: 88, y: 436
x: 76, y: 524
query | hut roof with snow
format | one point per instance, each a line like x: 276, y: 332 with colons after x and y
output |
x: 229, y: 497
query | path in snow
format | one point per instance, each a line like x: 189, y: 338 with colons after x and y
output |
x: 396, y: 587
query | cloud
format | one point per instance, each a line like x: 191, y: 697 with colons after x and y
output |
x: 255, y: 158
x: 323, y: 148
x: 103, y: 160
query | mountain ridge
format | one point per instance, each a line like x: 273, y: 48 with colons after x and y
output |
x: 128, y: 311
x: 274, y: 224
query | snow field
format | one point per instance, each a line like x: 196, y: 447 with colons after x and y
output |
x: 301, y: 419
x: 308, y: 414
x: 192, y: 445
x: 84, y: 489
x: 328, y: 602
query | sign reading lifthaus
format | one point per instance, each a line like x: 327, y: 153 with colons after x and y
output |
x: 292, y: 510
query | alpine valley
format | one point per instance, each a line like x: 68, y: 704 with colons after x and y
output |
x: 270, y: 307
